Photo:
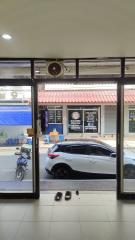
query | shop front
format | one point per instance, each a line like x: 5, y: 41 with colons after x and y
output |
x: 85, y: 113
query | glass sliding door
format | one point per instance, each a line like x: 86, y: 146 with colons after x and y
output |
x: 17, y: 140
x: 129, y: 139
x: 126, y: 155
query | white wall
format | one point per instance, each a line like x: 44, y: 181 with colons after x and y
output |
x: 110, y: 115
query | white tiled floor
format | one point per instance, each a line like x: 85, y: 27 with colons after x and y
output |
x: 89, y: 216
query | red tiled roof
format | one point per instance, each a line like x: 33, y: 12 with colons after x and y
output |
x: 83, y: 96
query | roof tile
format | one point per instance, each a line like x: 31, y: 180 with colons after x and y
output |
x: 84, y: 96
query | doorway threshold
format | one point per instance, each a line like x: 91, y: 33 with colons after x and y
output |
x: 81, y: 185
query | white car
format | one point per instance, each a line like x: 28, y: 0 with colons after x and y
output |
x: 65, y: 159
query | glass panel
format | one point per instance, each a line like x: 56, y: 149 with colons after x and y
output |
x: 132, y: 119
x: 51, y: 116
x: 40, y: 69
x: 58, y: 116
x: 88, y: 119
x: 129, y: 139
x: 130, y: 67
x: 15, y: 69
x: 91, y: 121
x: 15, y: 145
x: 75, y: 121
x: 99, y: 68
x: 54, y: 107
x: 55, y: 69
x: 69, y: 69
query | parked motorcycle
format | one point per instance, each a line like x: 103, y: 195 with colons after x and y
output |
x: 22, y: 163
x: 24, y: 149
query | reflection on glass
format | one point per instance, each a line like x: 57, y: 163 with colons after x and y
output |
x: 15, y: 69
x: 99, y: 68
x: 130, y: 67
x: 15, y: 145
x: 129, y: 139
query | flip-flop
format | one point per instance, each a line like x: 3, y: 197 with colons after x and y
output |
x: 77, y: 192
x: 58, y: 196
x: 68, y: 195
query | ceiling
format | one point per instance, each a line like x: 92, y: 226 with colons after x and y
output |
x: 67, y: 28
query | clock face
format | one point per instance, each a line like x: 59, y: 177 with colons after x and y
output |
x: 75, y: 115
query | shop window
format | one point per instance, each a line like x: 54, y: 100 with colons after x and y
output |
x: 132, y: 121
x: 83, y: 119
x: 75, y: 121
x: 91, y: 121
x: 55, y: 115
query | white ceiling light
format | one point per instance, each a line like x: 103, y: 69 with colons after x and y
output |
x: 6, y: 36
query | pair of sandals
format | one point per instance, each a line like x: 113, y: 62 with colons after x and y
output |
x: 58, y: 196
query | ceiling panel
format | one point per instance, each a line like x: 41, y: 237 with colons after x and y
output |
x: 73, y: 28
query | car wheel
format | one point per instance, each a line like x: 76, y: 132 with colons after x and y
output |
x: 129, y: 171
x: 61, y: 172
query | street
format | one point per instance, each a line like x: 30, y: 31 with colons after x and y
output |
x: 8, y: 177
x: 8, y: 167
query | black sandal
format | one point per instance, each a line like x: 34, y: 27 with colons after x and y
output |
x: 58, y: 196
x: 68, y: 195
x: 77, y: 192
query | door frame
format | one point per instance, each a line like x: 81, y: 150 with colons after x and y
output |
x: 33, y: 81
x: 120, y: 139
x: 35, y: 143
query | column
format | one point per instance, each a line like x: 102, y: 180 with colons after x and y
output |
x: 126, y: 121
x: 102, y: 122
x: 65, y: 120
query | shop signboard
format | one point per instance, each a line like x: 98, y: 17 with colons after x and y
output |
x: 91, y: 121
x: 75, y: 121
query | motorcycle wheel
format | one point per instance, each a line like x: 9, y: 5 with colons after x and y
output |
x: 20, y: 173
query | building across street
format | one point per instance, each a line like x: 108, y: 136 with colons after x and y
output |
x: 70, y: 113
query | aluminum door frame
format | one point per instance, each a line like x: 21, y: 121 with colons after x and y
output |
x: 35, y: 194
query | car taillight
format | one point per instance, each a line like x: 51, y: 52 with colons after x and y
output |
x: 52, y: 155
